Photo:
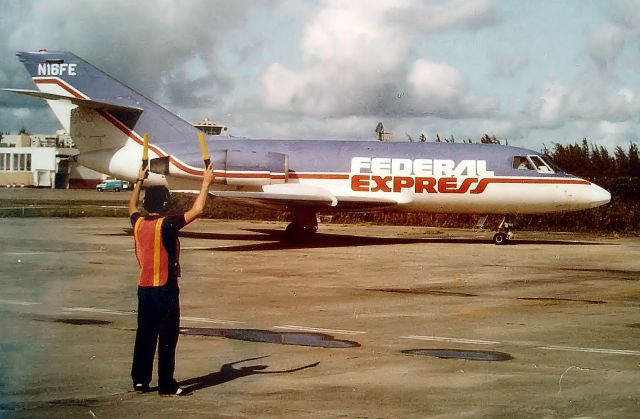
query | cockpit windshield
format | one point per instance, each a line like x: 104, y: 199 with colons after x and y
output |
x: 552, y: 164
x: 540, y: 165
x: 535, y: 162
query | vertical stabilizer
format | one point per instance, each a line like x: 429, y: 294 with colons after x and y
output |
x: 65, y: 74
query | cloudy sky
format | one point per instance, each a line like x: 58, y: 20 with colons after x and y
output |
x: 533, y: 72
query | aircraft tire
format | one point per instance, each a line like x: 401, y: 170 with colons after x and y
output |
x: 500, y: 239
x: 298, y: 234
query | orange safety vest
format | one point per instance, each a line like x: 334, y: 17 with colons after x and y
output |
x: 152, y: 255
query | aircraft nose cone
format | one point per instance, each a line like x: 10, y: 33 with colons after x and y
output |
x: 599, y: 196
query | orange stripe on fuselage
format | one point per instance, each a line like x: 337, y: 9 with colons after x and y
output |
x: 482, y: 185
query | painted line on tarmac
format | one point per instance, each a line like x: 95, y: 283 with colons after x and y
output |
x: 206, y: 320
x: 453, y: 340
x: 18, y: 303
x: 98, y: 310
x: 48, y: 252
x: 181, y: 248
x: 590, y: 350
x: 319, y: 330
x: 546, y: 348
x: 129, y: 313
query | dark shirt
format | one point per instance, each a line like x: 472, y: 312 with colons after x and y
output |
x: 170, y: 228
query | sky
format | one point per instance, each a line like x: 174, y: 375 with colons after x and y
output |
x: 530, y: 72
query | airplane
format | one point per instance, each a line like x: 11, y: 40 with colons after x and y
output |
x: 107, y: 121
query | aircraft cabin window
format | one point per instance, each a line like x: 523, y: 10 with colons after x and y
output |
x: 522, y: 163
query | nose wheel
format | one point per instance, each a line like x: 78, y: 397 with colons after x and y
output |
x: 505, y: 233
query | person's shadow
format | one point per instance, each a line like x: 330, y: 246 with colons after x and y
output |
x: 228, y: 373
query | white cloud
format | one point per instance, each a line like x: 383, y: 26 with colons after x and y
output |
x: 548, y: 108
x: 281, y: 87
x: 592, y: 101
x: 348, y: 53
x: 607, y: 42
x: 607, y: 128
x: 433, y: 15
x: 355, y: 56
x: 436, y: 81
x: 626, y: 13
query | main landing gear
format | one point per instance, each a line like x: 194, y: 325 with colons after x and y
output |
x: 504, y: 234
x: 303, y: 226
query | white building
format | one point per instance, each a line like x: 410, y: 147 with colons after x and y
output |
x: 42, y: 161
x: 48, y: 161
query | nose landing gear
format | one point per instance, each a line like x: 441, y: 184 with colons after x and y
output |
x: 504, y: 234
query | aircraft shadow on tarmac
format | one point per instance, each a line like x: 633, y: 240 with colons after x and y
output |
x: 229, y: 372
x: 273, y: 239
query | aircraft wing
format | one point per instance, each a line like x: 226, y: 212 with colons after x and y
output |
x: 283, y: 197
x: 87, y: 103
x: 297, y: 196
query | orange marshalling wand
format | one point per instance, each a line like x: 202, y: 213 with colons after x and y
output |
x: 145, y: 152
x: 205, y: 152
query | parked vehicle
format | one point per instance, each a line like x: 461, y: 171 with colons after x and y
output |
x: 113, y: 185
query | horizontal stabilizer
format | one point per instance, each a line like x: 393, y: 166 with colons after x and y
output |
x: 87, y: 103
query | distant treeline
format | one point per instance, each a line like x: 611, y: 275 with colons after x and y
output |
x: 594, y: 161
x: 619, y: 173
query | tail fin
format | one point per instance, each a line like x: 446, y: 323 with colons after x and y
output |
x: 102, y: 114
x: 65, y: 74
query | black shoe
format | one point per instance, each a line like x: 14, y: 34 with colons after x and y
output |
x: 178, y: 391
x: 141, y: 388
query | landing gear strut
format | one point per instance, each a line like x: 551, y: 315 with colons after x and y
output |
x: 504, y: 234
x: 303, y: 226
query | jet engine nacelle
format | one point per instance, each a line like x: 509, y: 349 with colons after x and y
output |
x: 256, y: 167
x: 238, y: 168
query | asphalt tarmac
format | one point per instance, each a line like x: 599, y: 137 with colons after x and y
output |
x: 364, y: 321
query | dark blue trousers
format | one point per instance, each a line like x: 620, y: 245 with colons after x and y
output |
x: 158, y: 324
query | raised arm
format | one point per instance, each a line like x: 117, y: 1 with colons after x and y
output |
x: 198, y: 205
x: 135, y: 195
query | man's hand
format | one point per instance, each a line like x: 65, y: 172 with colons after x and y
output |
x: 198, y: 205
x: 135, y: 194
x: 143, y: 173
x: 209, y: 176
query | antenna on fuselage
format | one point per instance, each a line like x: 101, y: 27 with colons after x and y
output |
x: 382, y: 134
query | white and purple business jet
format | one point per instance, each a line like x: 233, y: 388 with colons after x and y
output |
x: 107, y: 119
